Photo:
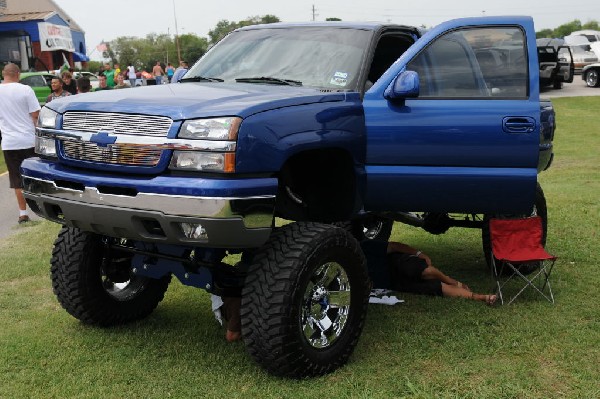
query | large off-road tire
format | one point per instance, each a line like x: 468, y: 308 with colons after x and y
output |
x: 305, y: 300
x: 96, y: 286
x: 539, y: 209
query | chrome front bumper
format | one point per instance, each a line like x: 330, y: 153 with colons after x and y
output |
x: 228, y: 222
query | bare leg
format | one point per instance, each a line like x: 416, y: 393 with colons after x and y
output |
x: 231, y: 306
x: 460, y: 292
x: 20, y: 199
x: 432, y: 273
x: 232, y: 336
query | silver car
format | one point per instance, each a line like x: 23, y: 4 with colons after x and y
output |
x: 589, y: 74
x: 582, y: 56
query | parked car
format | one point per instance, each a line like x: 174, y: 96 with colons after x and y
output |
x: 39, y: 82
x: 588, y: 39
x: 582, y: 56
x: 590, y: 35
x: 92, y: 77
x: 590, y: 73
x: 556, y: 62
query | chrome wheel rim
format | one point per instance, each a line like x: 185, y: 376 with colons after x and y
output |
x: 325, y: 305
x: 372, y: 230
x: 122, y: 291
x: 116, y: 277
x: 592, y: 78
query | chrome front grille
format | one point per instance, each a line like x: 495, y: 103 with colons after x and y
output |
x: 121, y: 154
x: 116, y: 123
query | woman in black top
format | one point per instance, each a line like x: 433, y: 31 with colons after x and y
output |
x: 69, y: 83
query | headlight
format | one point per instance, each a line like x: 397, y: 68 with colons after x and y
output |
x: 47, y: 118
x: 45, y: 146
x: 210, y: 129
x: 219, y: 136
x: 203, y: 161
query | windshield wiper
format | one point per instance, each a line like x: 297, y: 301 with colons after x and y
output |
x: 267, y: 79
x: 201, y: 79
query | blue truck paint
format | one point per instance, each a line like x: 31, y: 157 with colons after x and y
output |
x: 461, y: 154
x: 350, y: 150
x: 448, y: 188
x: 196, y: 100
x: 163, y: 185
x: 435, y: 136
x: 268, y: 139
x: 448, y: 150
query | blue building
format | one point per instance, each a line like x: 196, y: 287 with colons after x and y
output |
x: 39, y: 35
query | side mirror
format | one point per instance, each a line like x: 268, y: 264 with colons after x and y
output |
x: 405, y: 85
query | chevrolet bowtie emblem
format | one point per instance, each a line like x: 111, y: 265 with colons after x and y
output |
x: 103, y: 139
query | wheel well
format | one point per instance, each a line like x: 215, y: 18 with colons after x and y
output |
x: 318, y: 185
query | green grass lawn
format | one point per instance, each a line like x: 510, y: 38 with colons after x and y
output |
x: 425, y: 348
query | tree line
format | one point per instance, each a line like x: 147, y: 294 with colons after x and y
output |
x: 144, y: 52
x: 567, y: 29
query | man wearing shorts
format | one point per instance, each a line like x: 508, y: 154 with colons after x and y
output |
x: 19, y: 110
x: 400, y: 267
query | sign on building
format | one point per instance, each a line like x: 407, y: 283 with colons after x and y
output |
x: 55, y: 37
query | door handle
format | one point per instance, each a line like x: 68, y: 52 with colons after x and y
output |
x: 518, y: 124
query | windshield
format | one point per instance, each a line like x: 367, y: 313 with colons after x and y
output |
x: 323, y: 57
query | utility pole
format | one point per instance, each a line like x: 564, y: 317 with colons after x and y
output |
x: 314, y: 14
x: 176, y: 34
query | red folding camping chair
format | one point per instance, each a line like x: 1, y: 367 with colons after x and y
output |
x: 518, y: 255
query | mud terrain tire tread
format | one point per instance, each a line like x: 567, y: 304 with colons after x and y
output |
x: 271, y: 300
x: 77, y: 283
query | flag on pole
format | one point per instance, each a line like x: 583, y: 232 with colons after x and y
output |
x: 102, y: 47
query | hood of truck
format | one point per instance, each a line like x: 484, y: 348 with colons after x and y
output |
x: 195, y: 100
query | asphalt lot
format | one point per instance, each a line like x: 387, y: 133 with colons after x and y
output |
x: 9, y: 211
x: 575, y: 89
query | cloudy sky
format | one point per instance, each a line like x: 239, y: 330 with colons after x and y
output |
x: 108, y: 19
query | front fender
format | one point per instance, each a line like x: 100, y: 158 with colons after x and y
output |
x: 266, y: 140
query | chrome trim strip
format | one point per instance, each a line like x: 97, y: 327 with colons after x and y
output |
x: 117, y: 123
x: 116, y: 154
x: 160, y: 143
x: 172, y: 205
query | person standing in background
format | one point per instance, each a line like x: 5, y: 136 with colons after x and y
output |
x: 179, y: 72
x: 131, y: 75
x: 57, y: 90
x: 110, y: 75
x: 83, y: 85
x: 68, y: 82
x: 170, y: 71
x: 102, y: 84
x: 19, y: 110
x: 121, y: 83
x: 158, y: 72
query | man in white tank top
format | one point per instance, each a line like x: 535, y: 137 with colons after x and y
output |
x: 19, y: 110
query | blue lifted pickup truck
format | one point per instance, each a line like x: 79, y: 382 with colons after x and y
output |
x: 340, y: 128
